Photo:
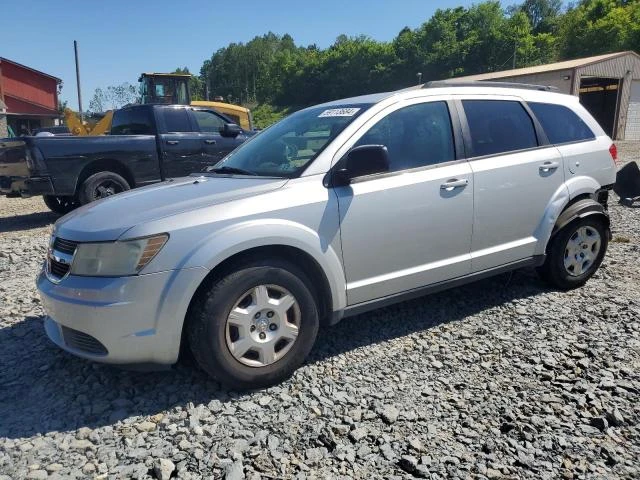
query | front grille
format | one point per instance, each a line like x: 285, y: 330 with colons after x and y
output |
x: 65, y: 246
x: 58, y: 269
x: 83, y: 342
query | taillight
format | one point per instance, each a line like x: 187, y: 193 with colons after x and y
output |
x: 613, y: 150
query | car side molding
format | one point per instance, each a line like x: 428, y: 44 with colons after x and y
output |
x: 359, y: 308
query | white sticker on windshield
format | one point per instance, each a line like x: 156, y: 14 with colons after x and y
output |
x: 339, y: 112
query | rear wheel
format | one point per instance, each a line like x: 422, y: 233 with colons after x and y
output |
x: 254, y: 327
x: 101, y: 185
x: 575, y: 253
x: 60, y: 204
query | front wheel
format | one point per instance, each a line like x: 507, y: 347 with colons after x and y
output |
x: 60, y: 204
x: 575, y: 253
x: 254, y: 327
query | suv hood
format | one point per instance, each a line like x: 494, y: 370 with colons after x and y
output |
x: 109, y: 218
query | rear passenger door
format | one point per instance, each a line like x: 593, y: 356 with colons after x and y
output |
x: 181, y: 145
x: 516, y: 173
x: 411, y: 226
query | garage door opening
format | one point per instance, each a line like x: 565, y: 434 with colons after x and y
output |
x: 601, y: 96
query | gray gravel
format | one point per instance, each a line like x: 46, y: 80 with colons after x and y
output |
x: 500, y: 379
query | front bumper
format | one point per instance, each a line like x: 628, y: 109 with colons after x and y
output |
x: 25, y: 186
x: 124, y: 320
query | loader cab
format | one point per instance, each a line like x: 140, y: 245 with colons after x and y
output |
x: 166, y: 88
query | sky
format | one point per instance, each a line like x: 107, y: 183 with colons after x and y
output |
x: 119, y: 39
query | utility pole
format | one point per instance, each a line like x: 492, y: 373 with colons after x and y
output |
x: 75, y: 48
x: 515, y: 51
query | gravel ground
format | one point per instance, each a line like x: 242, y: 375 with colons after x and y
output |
x: 499, y: 379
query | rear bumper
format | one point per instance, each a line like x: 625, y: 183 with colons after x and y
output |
x: 25, y: 186
x: 126, y: 320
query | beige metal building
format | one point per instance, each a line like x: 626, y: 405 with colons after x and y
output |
x: 608, y: 86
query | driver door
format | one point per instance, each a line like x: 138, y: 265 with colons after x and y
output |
x: 409, y: 227
x: 214, y: 146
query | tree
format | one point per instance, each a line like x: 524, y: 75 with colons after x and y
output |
x: 599, y: 26
x: 542, y: 14
x: 113, y: 97
x: 273, y: 71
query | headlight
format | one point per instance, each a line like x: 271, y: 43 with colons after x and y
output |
x: 116, y: 259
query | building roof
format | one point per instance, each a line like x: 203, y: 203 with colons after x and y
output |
x: 549, y: 67
x: 2, y: 59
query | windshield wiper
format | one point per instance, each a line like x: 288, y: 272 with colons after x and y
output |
x: 227, y: 169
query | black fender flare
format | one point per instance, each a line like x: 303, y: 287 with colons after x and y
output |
x: 580, y: 209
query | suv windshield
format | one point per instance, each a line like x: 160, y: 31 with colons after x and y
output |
x: 286, y: 148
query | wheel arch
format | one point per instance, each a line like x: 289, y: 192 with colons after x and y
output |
x: 576, y: 198
x: 105, y: 165
x: 320, y: 286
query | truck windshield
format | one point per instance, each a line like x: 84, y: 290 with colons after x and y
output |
x: 286, y: 148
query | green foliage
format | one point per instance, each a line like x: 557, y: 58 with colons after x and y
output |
x: 114, y: 96
x: 600, y: 26
x: 272, y: 71
x: 266, y: 114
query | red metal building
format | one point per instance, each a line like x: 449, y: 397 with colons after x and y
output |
x: 31, y: 96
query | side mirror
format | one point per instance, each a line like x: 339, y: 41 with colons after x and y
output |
x: 360, y: 161
x: 230, y: 130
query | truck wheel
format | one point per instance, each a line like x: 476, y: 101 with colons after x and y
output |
x: 60, y: 204
x: 575, y: 253
x: 254, y: 327
x: 101, y: 185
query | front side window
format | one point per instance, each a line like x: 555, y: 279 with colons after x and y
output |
x: 208, y: 121
x: 416, y: 136
x: 287, y: 147
x: 176, y: 120
x: 132, y: 121
x: 499, y: 126
x: 561, y: 124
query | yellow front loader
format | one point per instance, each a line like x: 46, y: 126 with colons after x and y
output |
x: 76, y: 127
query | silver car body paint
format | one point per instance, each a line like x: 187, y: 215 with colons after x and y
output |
x: 372, y: 239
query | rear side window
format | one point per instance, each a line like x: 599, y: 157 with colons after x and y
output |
x: 499, y: 126
x: 132, y: 121
x: 176, y: 120
x: 561, y: 124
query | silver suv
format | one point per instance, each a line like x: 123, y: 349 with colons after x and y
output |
x: 335, y: 210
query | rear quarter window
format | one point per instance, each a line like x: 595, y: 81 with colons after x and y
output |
x: 132, y: 121
x: 561, y: 124
x: 499, y: 126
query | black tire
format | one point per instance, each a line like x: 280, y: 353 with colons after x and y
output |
x: 101, y: 185
x: 207, y: 324
x: 60, y: 204
x: 554, y: 271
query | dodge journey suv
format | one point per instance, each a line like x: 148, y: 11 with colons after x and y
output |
x: 335, y: 210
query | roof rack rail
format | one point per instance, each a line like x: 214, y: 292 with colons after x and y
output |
x: 481, y: 83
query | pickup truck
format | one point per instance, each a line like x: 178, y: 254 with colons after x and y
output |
x: 146, y: 144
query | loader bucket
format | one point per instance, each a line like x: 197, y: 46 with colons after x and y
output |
x: 627, y: 185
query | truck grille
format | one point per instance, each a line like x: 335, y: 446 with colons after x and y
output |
x: 82, y: 341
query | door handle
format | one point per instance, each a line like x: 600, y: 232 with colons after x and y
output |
x: 453, y: 184
x: 210, y: 142
x: 548, y: 166
x: 172, y: 142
